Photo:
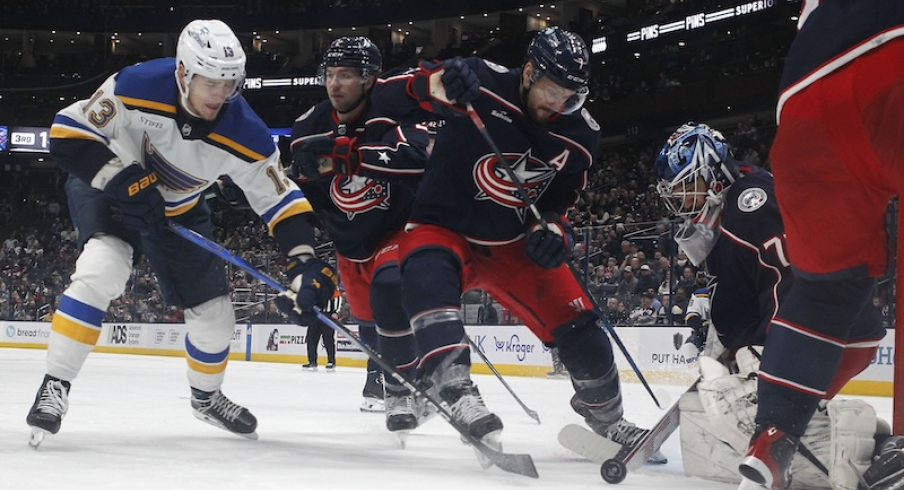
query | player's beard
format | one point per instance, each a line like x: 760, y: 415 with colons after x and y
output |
x: 539, y: 115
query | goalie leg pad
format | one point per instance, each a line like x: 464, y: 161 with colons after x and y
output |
x: 703, y: 452
x: 730, y: 401
x: 853, y: 441
x: 210, y: 328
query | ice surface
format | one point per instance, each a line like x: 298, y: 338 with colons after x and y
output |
x: 130, y: 427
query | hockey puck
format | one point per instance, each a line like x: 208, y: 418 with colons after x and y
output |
x: 613, y: 471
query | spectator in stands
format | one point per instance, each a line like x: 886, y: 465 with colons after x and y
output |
x: 688, y: 279
x: 644, y: 314
x: 628, y: 283
x: 647, y: 280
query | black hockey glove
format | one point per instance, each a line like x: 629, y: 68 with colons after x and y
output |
x: 312, y: 283
x: 461, y: 83
x: 549, y: 246
x: 228, y: 192
x: 141, y: 207
x: 324, y: 155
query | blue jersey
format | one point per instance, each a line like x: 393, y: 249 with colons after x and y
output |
x: 833, y: 33
x: 359, y: 211
x: 749, y: 264
x: 464, y: 189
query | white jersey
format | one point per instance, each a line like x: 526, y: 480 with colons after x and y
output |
x: 134, y: 116
x: 698, y: 306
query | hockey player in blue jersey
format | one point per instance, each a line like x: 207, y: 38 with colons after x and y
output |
x: 732, y: 225
x: 358, y: 168
x: 142, y: 150
x: 469, y: 228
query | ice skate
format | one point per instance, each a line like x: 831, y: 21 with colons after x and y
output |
x: 401, y: 417
x: 47, y: 412
x: 768, y: 461
x: 330, y: 367
x: 467, y: 407
x: 373, y: 393
x: 311, y: 366
x: 621, y: 432
x: 219, y: 411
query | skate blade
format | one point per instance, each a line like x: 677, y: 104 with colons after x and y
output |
x: 657, y: 458
x: 375, y: 406
x: 37, y: 437
x: 749, y: 485
x: 493, y: 441
x: 203, y: 418
x: 402, y: 436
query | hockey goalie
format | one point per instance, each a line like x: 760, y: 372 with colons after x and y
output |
x: 844, y: 443
x: 729, y: 224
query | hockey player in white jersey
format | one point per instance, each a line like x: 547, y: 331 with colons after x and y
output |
x: 140, y: 151
x: 731, y: 221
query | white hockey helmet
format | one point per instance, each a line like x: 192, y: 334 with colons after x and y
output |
x: 210, y: 48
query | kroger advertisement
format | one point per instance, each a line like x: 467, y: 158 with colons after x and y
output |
x: 512, y: 349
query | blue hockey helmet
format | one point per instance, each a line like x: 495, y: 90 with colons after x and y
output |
x: 563, y: 57
x: 356, y: 52
x: 692, y: 152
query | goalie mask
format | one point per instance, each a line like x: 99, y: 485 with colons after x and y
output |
x: 695, y: 168
x: 562, y: 57
x: 209, y: 48
x: 355, y: 52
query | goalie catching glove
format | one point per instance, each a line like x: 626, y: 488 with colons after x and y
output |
x: 312, y: 282
x: 141, y: 207
x: 549, y: 245
x: 324, y: 155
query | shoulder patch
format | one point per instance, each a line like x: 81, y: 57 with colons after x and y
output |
x: 495, y: 67
x: 752, y: 199
x: 590, y: 120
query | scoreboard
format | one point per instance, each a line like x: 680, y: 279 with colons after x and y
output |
x: 29, y: 139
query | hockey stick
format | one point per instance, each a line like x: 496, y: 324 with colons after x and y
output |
x: 490, y: 365
x: 525, y: 198
x: 521, y: 464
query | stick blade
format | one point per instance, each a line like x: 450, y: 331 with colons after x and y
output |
x: 521, y: 464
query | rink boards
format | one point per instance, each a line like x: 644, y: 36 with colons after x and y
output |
x: 512, y: 349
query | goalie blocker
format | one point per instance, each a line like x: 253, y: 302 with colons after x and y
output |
x: 717, y: 422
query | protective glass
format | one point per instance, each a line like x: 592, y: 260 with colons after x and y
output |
x: 209, y: 88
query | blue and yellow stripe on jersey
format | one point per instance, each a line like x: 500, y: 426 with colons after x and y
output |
x: 242, y: 133
x: 65, y: 127
x: 149, y: 87
x: 294, y: 203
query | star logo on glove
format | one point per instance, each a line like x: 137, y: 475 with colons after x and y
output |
x: 384, y: 157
